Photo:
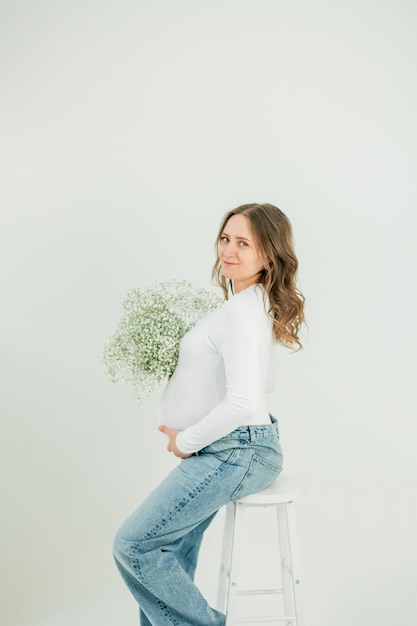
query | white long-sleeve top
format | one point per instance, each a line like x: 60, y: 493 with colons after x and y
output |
x: 223, y: 373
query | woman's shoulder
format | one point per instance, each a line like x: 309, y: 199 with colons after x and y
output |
x: 241, y: 315
x: 253, y: 294
x: 250, y: 301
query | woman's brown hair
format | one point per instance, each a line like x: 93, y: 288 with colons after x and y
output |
x: 273, y: 236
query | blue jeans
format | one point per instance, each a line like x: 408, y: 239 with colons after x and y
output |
x: 156, y: 548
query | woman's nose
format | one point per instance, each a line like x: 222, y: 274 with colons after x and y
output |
x: 231, y: 250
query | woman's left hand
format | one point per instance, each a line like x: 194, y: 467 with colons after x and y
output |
x: 172, y: 446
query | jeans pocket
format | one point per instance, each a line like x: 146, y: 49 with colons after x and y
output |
x: 260, y: 474
x: 224, y: 452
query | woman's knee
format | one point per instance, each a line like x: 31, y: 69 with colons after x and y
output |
x: 128, y: 543
x: 123, y: 545
x: 119, y: 546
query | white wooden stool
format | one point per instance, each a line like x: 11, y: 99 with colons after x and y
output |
x: 281, y: 495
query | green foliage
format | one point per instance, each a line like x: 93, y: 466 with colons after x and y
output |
x: 145, y: 346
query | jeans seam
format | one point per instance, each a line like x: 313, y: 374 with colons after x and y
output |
x: 142, y: 578
x: 182, y: 504
x: 255, y: 457
x: 267, y: 463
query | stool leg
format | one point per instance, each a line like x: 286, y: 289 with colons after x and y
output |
x: 292, y: 534
x: 236, y: 552
x: 286, y: 564
x: 229, y: 524
x: 289, y: 563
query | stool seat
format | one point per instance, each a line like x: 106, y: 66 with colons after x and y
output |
x: 281, y: 495
x: 284, y: 489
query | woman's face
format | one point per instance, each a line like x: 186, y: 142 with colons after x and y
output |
x: 239, y: 258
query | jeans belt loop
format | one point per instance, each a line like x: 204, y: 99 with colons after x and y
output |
x: 252, y: 434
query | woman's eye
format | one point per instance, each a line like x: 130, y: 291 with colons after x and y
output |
x: 224, y: 239
x: 243, y: 244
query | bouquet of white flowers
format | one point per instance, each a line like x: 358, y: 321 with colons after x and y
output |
x: 144, y: 348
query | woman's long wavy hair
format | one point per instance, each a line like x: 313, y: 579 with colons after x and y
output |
x: 272, y: 232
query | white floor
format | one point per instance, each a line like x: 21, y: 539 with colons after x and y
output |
x: 116, y: 610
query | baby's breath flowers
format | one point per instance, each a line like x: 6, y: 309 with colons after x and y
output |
x: 144, y: 348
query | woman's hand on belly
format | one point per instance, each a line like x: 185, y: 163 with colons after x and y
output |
x: 172, y: 446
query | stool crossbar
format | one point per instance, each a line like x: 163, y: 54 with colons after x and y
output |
x: 281, y: 495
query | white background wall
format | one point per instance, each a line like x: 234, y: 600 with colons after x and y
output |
x: 128, y: 129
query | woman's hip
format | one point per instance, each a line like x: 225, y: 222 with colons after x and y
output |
x: 245, y: 461
x: 239, y: 446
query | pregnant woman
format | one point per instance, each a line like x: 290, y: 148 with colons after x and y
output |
x: 215, y: 415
